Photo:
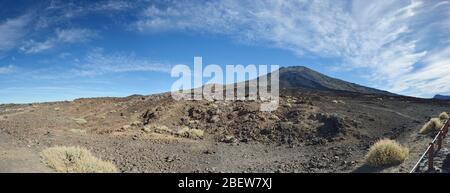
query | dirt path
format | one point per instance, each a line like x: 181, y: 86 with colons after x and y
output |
x: 388, y: 110
x: 16, y: 159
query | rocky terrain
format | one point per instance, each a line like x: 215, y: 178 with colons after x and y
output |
x: 316, y: 129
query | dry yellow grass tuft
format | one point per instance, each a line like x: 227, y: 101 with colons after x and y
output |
x: 443, y: 116
x: 386, y: 152
x: 196, y: 133
x: 191, y: 133
x: 161, y: 129
x: 433, y: 125
x: 75, y: 160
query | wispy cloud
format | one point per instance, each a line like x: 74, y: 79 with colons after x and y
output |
x: 98, y: 63
x: 94, y: 64
x: 65, y: 36
x: 429, y: 79
x: 113, y: 5
x: 56, y: 12
x: 65, y: 10
x: 7, y: 69
x: 11, y: 32
x: 392, y: 40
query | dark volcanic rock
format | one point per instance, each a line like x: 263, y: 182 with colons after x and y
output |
x: 301, y: 77
x: 332, y: 125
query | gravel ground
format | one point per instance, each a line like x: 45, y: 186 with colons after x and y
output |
x: 310, y: 132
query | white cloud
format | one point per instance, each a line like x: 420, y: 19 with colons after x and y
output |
x: 98, y: 63
x: 392, y: 40
x: 95, y: 63
x: 113, y: 5
x: 61, y: 10
x: 74, y: 35
x: 11, y: 32
x: 7, y: 69
x: 65, y: 36
x: 429, y: 79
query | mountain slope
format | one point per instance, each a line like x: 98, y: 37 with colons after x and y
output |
x: 441, y: 97
x: 300, y: 77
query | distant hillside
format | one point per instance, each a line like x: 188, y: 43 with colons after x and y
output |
x: 441, y: 97
x: 302, y: 77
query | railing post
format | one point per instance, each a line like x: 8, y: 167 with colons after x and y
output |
x: 430, y: 158
x: 439, y: 141
x: 442, y: 134
x: 445, y: 130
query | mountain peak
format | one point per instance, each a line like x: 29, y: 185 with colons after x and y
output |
x: 301, y: 77
x: 441, y: 97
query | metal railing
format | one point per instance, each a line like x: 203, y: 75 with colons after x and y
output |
x: 432, y: 149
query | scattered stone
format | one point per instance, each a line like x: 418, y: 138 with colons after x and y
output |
x: 195, y: 113
x: 136, y: 123
x: 285, y: 125
x: 249, y: 117
x: 194, y: 122
x: 125, y: 127
x: 171, y: 158
x: 80, y: 121
x: 287, y: 105
x: 245, y: 140
x: 338, y: 101
x: 209, y: 152
x: 214, y: 119
x: 332, y: 125
x: 147, y: 129
x: 213, y: 112
x: 81, y: 131
x: 274, y: 117
x: 148, y: 116
x: 228, y: 139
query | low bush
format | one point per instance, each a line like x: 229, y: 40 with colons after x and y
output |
x: 433, y: 125
x: 386, y: 152
x: 75, y: 160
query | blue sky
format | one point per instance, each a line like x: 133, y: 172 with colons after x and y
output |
x: 61, y: 50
